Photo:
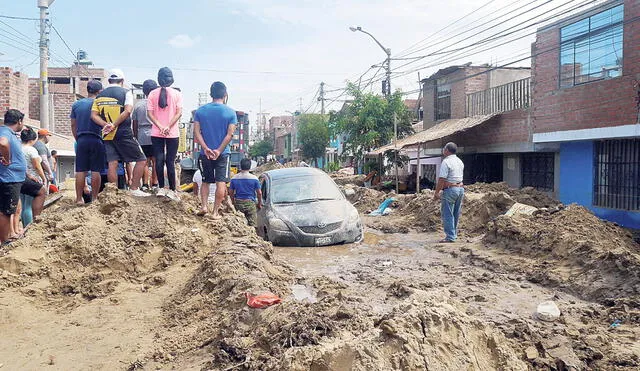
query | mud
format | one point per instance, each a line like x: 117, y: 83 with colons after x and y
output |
x: 527, y: 195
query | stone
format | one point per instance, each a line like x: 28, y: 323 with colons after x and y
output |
x: 531, y: 353
x: 548, y: 311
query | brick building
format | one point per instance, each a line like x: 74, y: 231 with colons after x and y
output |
x: 585, y: 89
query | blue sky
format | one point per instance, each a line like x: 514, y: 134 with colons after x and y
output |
x: 300, y: 43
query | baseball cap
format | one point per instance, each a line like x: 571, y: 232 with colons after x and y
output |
x: 116, y: 74
x: 94, y: 86
x: 44, y: 133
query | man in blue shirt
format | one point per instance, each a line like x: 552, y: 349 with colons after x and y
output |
x: 213, y: 128
x: 90, y: 151
x: 13, y: 170
x: 243, y: 190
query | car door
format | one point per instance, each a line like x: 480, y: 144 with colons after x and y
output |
x: 262, y: 218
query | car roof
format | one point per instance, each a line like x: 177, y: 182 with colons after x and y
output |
x: 293, y: 172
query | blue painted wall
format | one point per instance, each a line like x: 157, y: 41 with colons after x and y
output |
x: 576, y: 183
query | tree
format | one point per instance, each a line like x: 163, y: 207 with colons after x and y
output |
x: 313, y: 134
x: 261, y: 148
x: 368, y: 121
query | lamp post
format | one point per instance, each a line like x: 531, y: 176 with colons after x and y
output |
x: 387, y: 93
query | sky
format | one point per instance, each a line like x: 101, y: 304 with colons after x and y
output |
x: 273, y: 54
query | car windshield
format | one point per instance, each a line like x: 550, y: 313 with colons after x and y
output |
x: 304, y: 189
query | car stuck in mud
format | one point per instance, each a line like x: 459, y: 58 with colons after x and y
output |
x: 304, y: 207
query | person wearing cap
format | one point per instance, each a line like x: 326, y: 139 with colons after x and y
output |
x: 165, y: 109
x: 213, y: 128
x: 43, y: 151
x: 112, y: 111
x: 142, y: 130
x: 90, y: 152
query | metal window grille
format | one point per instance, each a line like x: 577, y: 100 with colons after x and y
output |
x: 443, y: 102
x: 538, y: 170
x: 617, y: 174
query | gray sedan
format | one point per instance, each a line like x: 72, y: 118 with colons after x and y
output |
x: 304, y: 207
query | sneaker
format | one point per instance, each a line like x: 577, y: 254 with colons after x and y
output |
x: 139, y: 193
x: 145, y: 187
x: 161, y: 192
x: 172, y: 195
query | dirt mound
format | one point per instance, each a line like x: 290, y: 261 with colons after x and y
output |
x: 341, y: 179
x: 528, y: 195
x: 364, y: 199
x: 573, y: 249
x: 271, y: 165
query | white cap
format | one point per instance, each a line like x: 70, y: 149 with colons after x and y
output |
x: 116, y: 74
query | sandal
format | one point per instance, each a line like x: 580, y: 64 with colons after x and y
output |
x: 201, y: 213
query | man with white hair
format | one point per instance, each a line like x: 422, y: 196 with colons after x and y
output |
x: 112, y: 110
x: 450, y: 184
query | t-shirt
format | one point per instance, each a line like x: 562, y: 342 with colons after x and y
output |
x: 43, y: 151
x: 214, y: 119
x: 197, y: 178
x: 81, y: 112
x: 31, y: 153
x: 452, y: 169
x: 140, y: 116
x: 17, y: 168
x: 245, y: 186
x: 109, y: 104
x: 164, y: 115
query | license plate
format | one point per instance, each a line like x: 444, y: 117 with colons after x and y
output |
x: 320, y: 241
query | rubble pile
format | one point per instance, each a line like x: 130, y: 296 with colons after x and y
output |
x: 573, y: 249
x: 271, y: 165
x: 527, y: 195
x: 343, y: 180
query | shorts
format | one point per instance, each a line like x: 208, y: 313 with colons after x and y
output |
x: 9, y: 197
x: 124, y: 149
x: 249, y: 209
x: 30, y: 188
x: 215, y: 171
x: 147, y: 150
x: 90, y: 154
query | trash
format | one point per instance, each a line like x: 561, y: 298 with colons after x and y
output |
x: 262, y: 301
x: 548, y: 311
x: 519, y: 208
x: 383, y: 207
x: 194, y: 230
x: 387, y: 263
x: 615, y: 324
x: 349, y: 192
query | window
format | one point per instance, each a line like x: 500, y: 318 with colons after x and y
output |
x: 538, y: 170
x: 591, y: 49
x: 617, y: 174
x: 443, y: 101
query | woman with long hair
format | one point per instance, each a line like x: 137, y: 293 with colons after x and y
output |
x: 164, y: 107
x: 34, y: 172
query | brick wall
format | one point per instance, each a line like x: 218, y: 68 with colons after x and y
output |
x: 14, y: 90
x: 34, y: 99
x: 60, y: 122
x: 604, y: 103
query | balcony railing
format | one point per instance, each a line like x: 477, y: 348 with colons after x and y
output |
x: 508, y: 97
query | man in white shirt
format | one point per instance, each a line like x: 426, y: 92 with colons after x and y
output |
x: 450, y: 183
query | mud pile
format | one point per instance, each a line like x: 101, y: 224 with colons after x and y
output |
x: 271, y: 165
x: 342, y: 179
x: 528, y: 195
x: 573, y: 249
x: 364, y: 199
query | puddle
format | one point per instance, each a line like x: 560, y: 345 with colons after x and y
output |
x: 304, y: 293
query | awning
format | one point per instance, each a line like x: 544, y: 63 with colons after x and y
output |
x: 439, y: 131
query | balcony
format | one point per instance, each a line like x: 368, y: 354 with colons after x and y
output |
x: 508, y: 97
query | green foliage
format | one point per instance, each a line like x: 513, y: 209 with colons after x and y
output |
x: 313, y: 134
x: 333, y: 166
x: 261, y: 148
x: 368, y: 121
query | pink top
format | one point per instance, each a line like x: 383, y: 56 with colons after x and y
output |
x: 164, y: 115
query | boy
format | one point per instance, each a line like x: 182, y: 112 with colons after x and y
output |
x: 243, y: 190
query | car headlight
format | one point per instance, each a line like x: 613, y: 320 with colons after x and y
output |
x: 354, y: 217
x: 278, y: 224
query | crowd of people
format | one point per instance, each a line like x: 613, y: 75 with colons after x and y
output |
x: 114, y: 138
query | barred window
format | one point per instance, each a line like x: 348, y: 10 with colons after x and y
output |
x: 591, y: 49
x: 617, y: 174
x: 443, y: 102
x: 538, y: 170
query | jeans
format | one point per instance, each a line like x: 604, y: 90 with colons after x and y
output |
x: 168, y: 157
x: 27, y: 211
x: 451, y: 203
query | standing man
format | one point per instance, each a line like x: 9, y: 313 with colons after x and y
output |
x: 13, y: 170
x: 90, y: 152
x: 142, y: 130
x: 54, y: 165
x: 45, y: 154
x: 112, y: 111
x: 243, y: 190
x: 450, y: 183
x: 213, y: 128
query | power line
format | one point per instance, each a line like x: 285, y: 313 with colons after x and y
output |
x: 73, y: 54
x: 19, y: 18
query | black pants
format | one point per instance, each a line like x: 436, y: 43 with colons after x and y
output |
x: 167, y: 157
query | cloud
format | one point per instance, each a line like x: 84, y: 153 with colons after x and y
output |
x: 183, y: 41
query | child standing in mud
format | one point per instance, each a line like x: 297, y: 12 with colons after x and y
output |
x: 243, y: 191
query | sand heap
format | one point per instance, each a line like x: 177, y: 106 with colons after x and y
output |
x: 527, y: 195
x: 573, y: 249
x: 271, y: 165
x: 343, y: 179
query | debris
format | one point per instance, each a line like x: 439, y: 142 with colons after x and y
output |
x: 548, y: 311
x: 615, y: 324
x: 262, y: 301
x: 531, y: 353
x: 382, y: 209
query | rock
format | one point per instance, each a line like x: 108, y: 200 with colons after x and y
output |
x: 531, y: 353
x: 525, y: 286
x: 548, y: 311
x: 349, y: 192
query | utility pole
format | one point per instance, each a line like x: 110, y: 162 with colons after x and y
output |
x: 388, y: 81
x: 300, y: 105
x: 321, y: 98
x: 44, y: 62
